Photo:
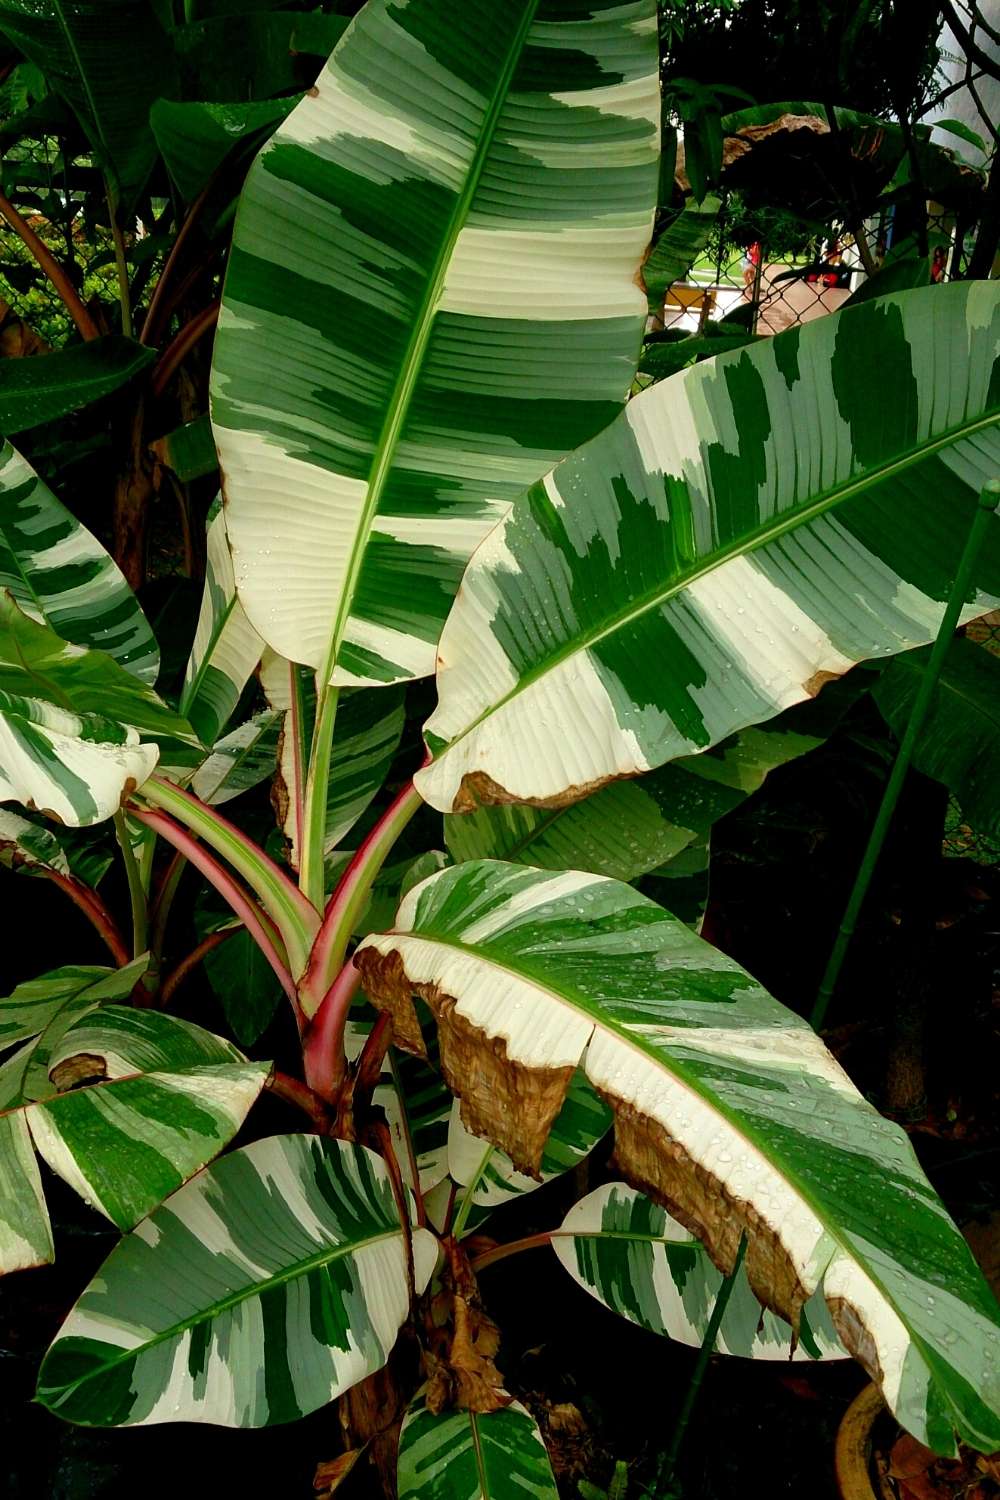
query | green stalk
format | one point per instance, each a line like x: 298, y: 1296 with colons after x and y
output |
x: 137, y: 894
x: 668, y: 1462
x: 295, y: 919
x: 989, y: 498
x: 121, y: 264
x: 311, y: 875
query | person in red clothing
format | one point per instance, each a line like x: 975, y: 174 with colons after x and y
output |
x: 751, y: 260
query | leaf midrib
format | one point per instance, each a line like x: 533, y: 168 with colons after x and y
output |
x: 423, y: 322
x: 323, y: 1257
x: 761, y: 536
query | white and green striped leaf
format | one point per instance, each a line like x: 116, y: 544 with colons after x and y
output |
x: 682, y: 884
x: 744, y: 531
x: 629, y: 828
x: 445, y: 232
x: 77, y: 768
x: 488, y: 1177
x: 368, y: 729
x: 416, y: 1100
x: 242, y: 759
x: 260, y: 1291
x: 632, y: 1256
x: 59, y: 572
x: 28, y: 846
x: 70, y: 720
x: 134, y: 1103
x: 226, y: 647
x: 728, y: 1109
x: 25, y: 1231
x: 63, y: 994
x: 467, y: 1455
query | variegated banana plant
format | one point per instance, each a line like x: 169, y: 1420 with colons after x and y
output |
x: 430, y: 324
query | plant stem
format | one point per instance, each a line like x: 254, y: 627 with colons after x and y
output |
x: 137, y: 894
x: 228, y: 888
x: 190, y: 962
x: 311, y: 877
x: 180, y: 346
x: 284, y: 1086
x: 501, y: 1252
x: 97, y: 914
x: 341, y: 916
x: 121, y: 264
x: 85, y: 324
x: 297, y: 921
x: 162, y: 903
x: 668, y: 1462
x: 985, y: 510
x: 157, y: 304
x: 323, y: 1043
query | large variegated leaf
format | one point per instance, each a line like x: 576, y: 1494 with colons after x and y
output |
x: 432, y: 295
x: 744, y: 531
x: 130, y: 1104
x: 632, y: 1256
x: 226, y: 647
x: 467, y: 1455
x: 486, y: 1175
x: 34, y: 1008
x: 257, y: 1293
x: 76, y: 768
x: 630, y: 827
x: 368, y: 729
x: 728, y: 1109
x: 59, y: 572
x: 25, y: 1231
x: 69, y: 723
x: 242, y: 759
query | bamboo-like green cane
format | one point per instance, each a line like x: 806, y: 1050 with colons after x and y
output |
x: 668, y: 1463
x: 989, y: 499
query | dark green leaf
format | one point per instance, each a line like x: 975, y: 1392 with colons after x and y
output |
x: 195, y: 139
x: 189, y: 450
x: 109, y: 59
x: 39, y: 390
x: 959, y: 743
x: 245, y: 986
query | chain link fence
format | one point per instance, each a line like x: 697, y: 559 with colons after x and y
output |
x: 769, y: 290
